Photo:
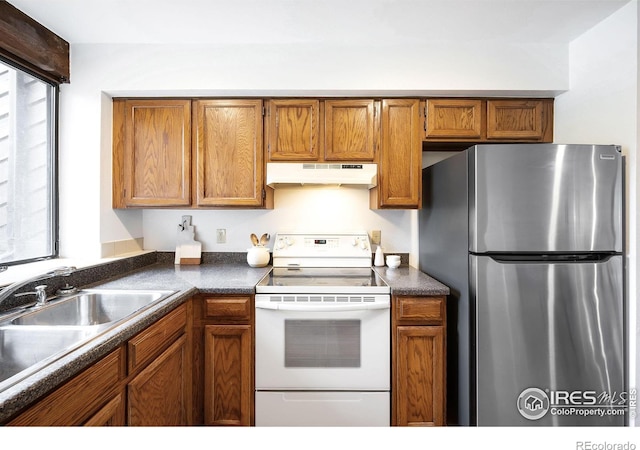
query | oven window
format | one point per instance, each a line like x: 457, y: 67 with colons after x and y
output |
x: 322, y: 343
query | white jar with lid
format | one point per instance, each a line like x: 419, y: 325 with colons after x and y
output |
x: 258, y: 256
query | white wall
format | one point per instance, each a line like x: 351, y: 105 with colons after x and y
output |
x: 328, y: 209
x: 602, y: 107
x: 102, y: 71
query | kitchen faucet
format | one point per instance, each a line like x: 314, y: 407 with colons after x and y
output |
x: 8, y: 291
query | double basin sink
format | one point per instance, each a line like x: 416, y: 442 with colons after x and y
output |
x: 35, y: 337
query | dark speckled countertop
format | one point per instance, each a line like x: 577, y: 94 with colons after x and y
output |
x: 217, y: 277
x: 406, y: 280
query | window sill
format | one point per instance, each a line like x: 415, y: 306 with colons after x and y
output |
x: 28, y: 270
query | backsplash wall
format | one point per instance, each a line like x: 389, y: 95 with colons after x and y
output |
x: 308, y: 209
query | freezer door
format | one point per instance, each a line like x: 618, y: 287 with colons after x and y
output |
x: 545, y: 198
x: 554, y: 331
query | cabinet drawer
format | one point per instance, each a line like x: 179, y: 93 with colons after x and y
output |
x: 228, y: 308
x: 76, y: 400
x: 146, y: 345
x: 420, y: 310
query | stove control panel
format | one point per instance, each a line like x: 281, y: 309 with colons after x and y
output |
x: 333, y: 248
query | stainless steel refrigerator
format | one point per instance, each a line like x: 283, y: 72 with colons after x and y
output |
x: 529, y: 237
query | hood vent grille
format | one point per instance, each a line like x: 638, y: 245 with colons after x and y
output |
x: 343, y: 174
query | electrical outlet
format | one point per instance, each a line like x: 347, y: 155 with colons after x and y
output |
x: 221, y: 235
x: 376, y: 236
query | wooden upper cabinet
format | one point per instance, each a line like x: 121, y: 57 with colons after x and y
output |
x: 453, y: 118
x: 228, y: 153
x: 152, y: 153
x: 488, y: 120
x: 294, y: 129
x: 400, y: 160
x: 516, y: 119
x: 349, y: 130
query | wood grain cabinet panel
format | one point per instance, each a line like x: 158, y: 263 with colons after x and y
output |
x: 79, y: 398
x: 228, y: 375
x: 234, y: 309
x: 419, y: 395
x: 152, y: 153
x: 110, y: 415
x: 514, y: 119
x: 400, y: 160
x: 294, y: 129
x: 349, y: 130
x: 454, y: 118
x: 148, y: 344
x: 159, y: 394
x: 420, y: 310
x: 418, y: 368
x: 228, y: 153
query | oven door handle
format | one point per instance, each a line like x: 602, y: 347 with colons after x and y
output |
x: 321, y: 308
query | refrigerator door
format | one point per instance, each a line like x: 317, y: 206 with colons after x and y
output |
x: 553, y: 330
x: 544, y: 198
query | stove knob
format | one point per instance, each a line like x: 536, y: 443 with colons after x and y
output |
x: 288, y: 241
x: 354, y: 242
x: 363, y: 245
x: 280, y: 244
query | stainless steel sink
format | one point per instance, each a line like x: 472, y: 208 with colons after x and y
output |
x: 38, y: 336
x: 23, y: 348
x: 91, y: 307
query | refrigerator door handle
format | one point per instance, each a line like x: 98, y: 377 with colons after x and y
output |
x: 547, y: 258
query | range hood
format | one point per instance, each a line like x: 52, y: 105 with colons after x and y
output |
x: 344, y: 174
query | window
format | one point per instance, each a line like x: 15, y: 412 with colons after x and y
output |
x: 28, y: 185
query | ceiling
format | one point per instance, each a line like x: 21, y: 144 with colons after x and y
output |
x: 336, y: 22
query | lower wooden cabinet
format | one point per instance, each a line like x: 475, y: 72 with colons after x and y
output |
x: 418, y: 387
x: 196, y: 366
x: 225, y: 355
x: 228, y: 371
x: 159, y: 382
x: 110, y: 415
x: 146, y: 382
x: 83, y: 399
x: 158, y: 396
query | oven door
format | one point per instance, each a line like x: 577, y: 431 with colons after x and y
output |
x: 322, y: 347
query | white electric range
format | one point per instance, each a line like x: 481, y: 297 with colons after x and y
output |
x: 322, y: 334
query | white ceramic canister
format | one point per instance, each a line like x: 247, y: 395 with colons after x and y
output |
x: 258, y: 256
x: 379, y: 258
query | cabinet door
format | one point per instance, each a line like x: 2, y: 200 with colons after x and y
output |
x: 400, y: 162
x: 154, y: 153
x: 349, y: 130
x: 453, y: 119
x: 228, y: 375
x: 110, y: 415
x: 294, y: 127
x: 419, y: 395
x: 228, y: 152
x: 158, y: 396
x: 78, y: 399
x: 515, y: 119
